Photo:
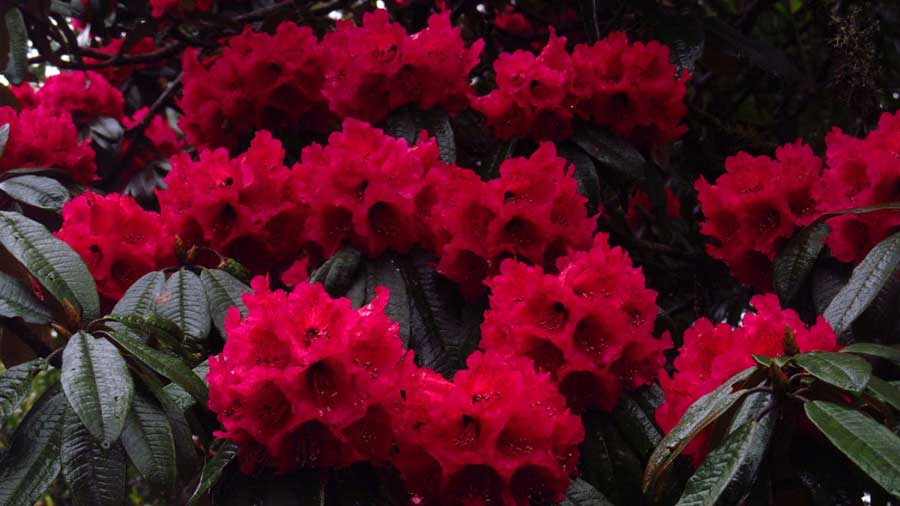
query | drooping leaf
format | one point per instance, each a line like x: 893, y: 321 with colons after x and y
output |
x: 866, y: 281
x: 17, y: 66
x: 728, y: 472
x: 698, y: 416
x: 163, y: 364
x: 868, y: 444
x: 581, y: 493
x: 31, y: 461
x: 97, y: 384
x: 224, y: 451
x: 149, y: 443
x: 596, y: 466
x: 179, y: 396
x: 796, y: 260
x: 638, y: 428
x: 151, y: 326
x: 874, y: 350
x: 884, y: 392
x: 339, y: 272
x: 142, y: 296
x: 95, y: 475
x: 18, y: 301
x: 222, y: 292
x: 764, y: 56
x: 611, y: 152
x: 585, y: 174
x: 437, y: 122
x: 843, y: 370
x: 52, y: 262
x: 38, y: 191
x: 15, y: 383
x: 183, y: 301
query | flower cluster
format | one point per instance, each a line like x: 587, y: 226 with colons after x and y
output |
x: 119, y: 241
x: 376, y: 68
x: 305, y: 380
x: 85, y: 95
x: 531, y: 212
x: 499, y: 434
x: 38, y: 138
x: 756, y: 206
x: 259, y: 81
x: 244, y: 207
x: 632, y: 89
x: 118, y: 74
x: 590, y: 326
x: 713, y: 353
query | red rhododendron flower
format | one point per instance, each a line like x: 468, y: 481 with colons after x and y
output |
x: 711, y: 354
x: 118, y: 74
x: 260, y: 81
x: 531, y: 212
x: 376, y: 68
x: 119, y: 241
x: 26, y: 95
x: 162, y: 8
x: 363, y: 189
x: 85, y: 95
x: 861, y: 173
x: 514, y: 22
x: 244, y: 207
x: 499, y: 434
x: 305, y: 380
x: 160, y: 140
x: 40, y: 139
x: 590, y: 326
x: 754, y: 207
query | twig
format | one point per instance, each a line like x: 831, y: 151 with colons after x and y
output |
x: 137, y: 131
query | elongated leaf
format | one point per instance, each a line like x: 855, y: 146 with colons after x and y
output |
x: 585, y: 173
x: 638, y: 429
x: 796, y: 260
x: 437, y: 122
x: 759, y: 53
x: 152, y: 326
x: 842, y: 370
x: 142, y: 296
x: 611, y: 152
x: 698, y: 416
x: 17, y: 67
x: 224, y: 451
x: 98, y: 385
x: 884, y: 392
x: 52, y: 262
x: 37, y: 191
x: 874, y: 350
x: 15, y: 383
x: 31, y: 462
x: 163, y: 364
x: 184, y: 302
x: 149, y: 443
x: 870, y: 445
x: 339, y: 272
x: 728, y: 471
x: 95, y: 475
x: 222, y: 292
x: 581, y: 493
x: 867, y: 280
x: 179, y: 396
x: 18, y: 301
x: 4, y: 137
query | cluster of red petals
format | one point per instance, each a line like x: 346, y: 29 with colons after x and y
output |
x: 245, y: 207
x: 499, y: 434
x: 590, y: 326
x: 85, y: 95
x: 532, y: 212
x: 377, y: 67
x: 861, y: 173
x: 39, y: 138
x: 118, y: 74
x: 260, y: 81
x: 632, y: 89
x: 160, y: 8
x: 305, y: 380
x: 756, y: 206
x: 117, y: 239
x: 711, y: 354
x: 160, y: 140
x: 365, y: 189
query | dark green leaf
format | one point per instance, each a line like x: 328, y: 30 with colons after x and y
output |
x: 638, y: 429
x: 874, y: 350
x: 4, y: 137
x: 17, y: 67
x: 402, y: 125
x: 884, y: 392
x: 698, y: 416
x: 222, y: 292
x: 870, y: 445
x: 37, y: 191
x: 685, y: 37
x: 796, y: 260
x: 97, y: 384
x: 184, y: 302
x: 152, y: 326
x: 163, y: 364
x: 149, y: 443
x: 842, y: 370
x: 179, y: 396
x: 224, y: 451
x: 585, y: 174
x: 761, y: 54
x: 15, y: 383
x: 142, y: 296
x: 16, y: 300
x: 729, y: 471
x: 52, y: 262
x: 611, y: 152
x: 437, y: 122
x: 865, y: 283
x: 581, y: 493
x: 596, y: 462
x: 338, y: 273
x: 31, y: 462
x: 95, y: 475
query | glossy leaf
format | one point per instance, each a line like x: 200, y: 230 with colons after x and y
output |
x: 339, y: 272
x: 842, y: 370
x: 183, y: 301
x: 884, y: 392
x: 874, y: 350
x: 17, y: 66
x: 224, y: 451
x: 179, y: 396
x: 142, y: 296
x: 149, y: 443
x: 95, y: 475
x: 611, y: 152
x: 16, y: 300
x: 581, y: 493
x: 37, y: 191
x: 15, y: 383
x: 796, y: 260
x: 222, y: 292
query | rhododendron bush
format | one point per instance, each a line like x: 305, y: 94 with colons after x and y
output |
x: 449, y: 253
